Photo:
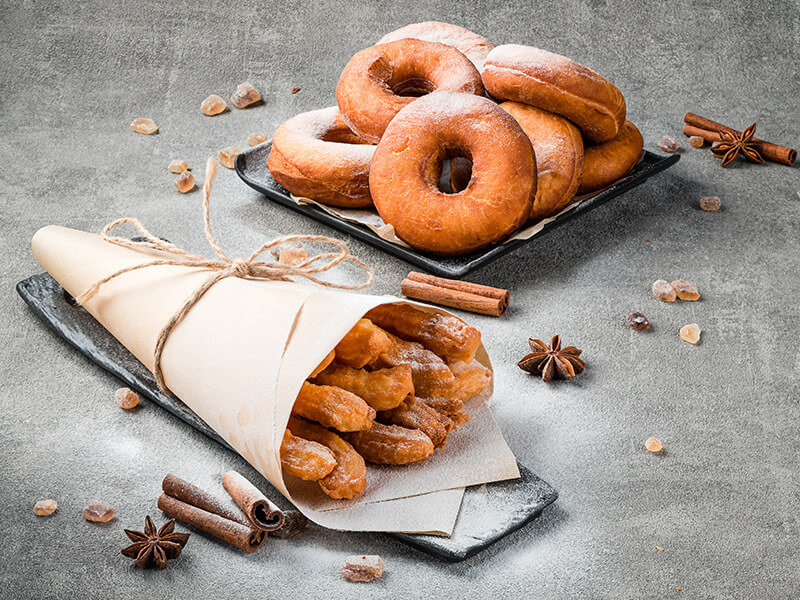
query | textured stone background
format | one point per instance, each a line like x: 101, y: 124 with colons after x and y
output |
x: 723, y: 501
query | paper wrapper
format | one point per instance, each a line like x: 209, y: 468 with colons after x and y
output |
x: 370, y: 219
x: 238, y: 360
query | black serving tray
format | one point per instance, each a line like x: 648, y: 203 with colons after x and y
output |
x: 488, y: 512
x: 251, y: 166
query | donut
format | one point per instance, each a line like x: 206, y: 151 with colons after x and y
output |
x: 405, y: 171
x: 557, y: 84
x: 317, y: 156
x: 475, y: 47
x: 558, y: 146
x: 605, y: 163
x: 379, y: 81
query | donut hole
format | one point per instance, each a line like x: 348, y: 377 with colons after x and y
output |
x: 401, y: 80
x: 413, y: 87
x: 456, y: 170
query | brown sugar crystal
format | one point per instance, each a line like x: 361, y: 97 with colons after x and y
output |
x: 185, y: 182
x: 695, y: 141
x: 637, y: 321
x: 44, y: 508
x: 664, y: 291
x: 653, y: 444
x: 178, y: 166
x: 126, y: 398
x: 685, y: 290
x: 99, y: 512
x: 690, y: 333
x: 667, y: 144
x: 254, y: 139
x: 213, y: 105
x: 363, y: 568
x: 245, y: 95
x: 710, y: 203
x: 144, y: 126
x: 227, y: 156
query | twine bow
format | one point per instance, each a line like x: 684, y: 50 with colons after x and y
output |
x: 223, y: 266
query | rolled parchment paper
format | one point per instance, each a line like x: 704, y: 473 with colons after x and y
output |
x: 258, y: 508
x: 239, y: 358
x: 246, y: 537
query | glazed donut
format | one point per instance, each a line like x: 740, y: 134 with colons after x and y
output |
x: 558, y: 146
x: 405, y: 171
x: 315, y: 155
x: 557, y: 84
x: 475, y: 47
x: 378, y: 81
x: 605, y: 163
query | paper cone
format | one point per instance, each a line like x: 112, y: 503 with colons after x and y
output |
x: 239, y: 358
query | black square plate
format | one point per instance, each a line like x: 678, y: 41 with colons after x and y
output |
x: 251, y: 166
x: 488, y: 512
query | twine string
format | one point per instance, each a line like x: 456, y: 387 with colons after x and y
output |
x: 222, y: 267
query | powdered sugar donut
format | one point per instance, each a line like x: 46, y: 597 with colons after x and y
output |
x: 405, y: 172
x: 317, y: 156
x: 379, y: 81
x: 475, y: 47
x: 557, y: 84
x: 559, y: 156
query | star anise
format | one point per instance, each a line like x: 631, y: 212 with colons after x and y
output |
x: 553, y: 360
x: 154, y: 548
x: 733, y: 143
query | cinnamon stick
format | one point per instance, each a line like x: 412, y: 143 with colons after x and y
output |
x: 294, y: 523
x: 191, y: 494
x: 708, y: 130
x: 463, y: 295
x: 248, y: 538
x: 258, y: 508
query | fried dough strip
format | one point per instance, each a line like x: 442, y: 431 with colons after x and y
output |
x: 471, y: 378
x: 391, y: 445
x: 451, y: 408
x: 305, y: 459
x: 444, y: 406
x: 333, y: 407
x: 349, y: 477
x: 383, y: 389
x: 362, y: 344
x: 460, y: 418
x: 415, y: 414
x: 431, y: 376
x: 446, y: 335
x: 324, y: 364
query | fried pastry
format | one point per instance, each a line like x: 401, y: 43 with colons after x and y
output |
x: 430, y: 374
x: 349, y: 477
x: 305, y: 459
x: 333, y: 407
x: 415, y: 414
x: 391, y: 445
x: 383, y: 389
x: 471, y: 378
x: 362, y: 345
x: 446, y: 335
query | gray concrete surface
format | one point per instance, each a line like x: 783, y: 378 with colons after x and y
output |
x: 723, y: 502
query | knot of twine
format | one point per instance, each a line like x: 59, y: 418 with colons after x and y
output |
x: 222, y: 266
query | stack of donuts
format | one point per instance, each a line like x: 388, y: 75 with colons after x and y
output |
x: 455, y: 142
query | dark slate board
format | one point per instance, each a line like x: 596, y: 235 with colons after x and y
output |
x: 251, y: 166
x: 488, y: 513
